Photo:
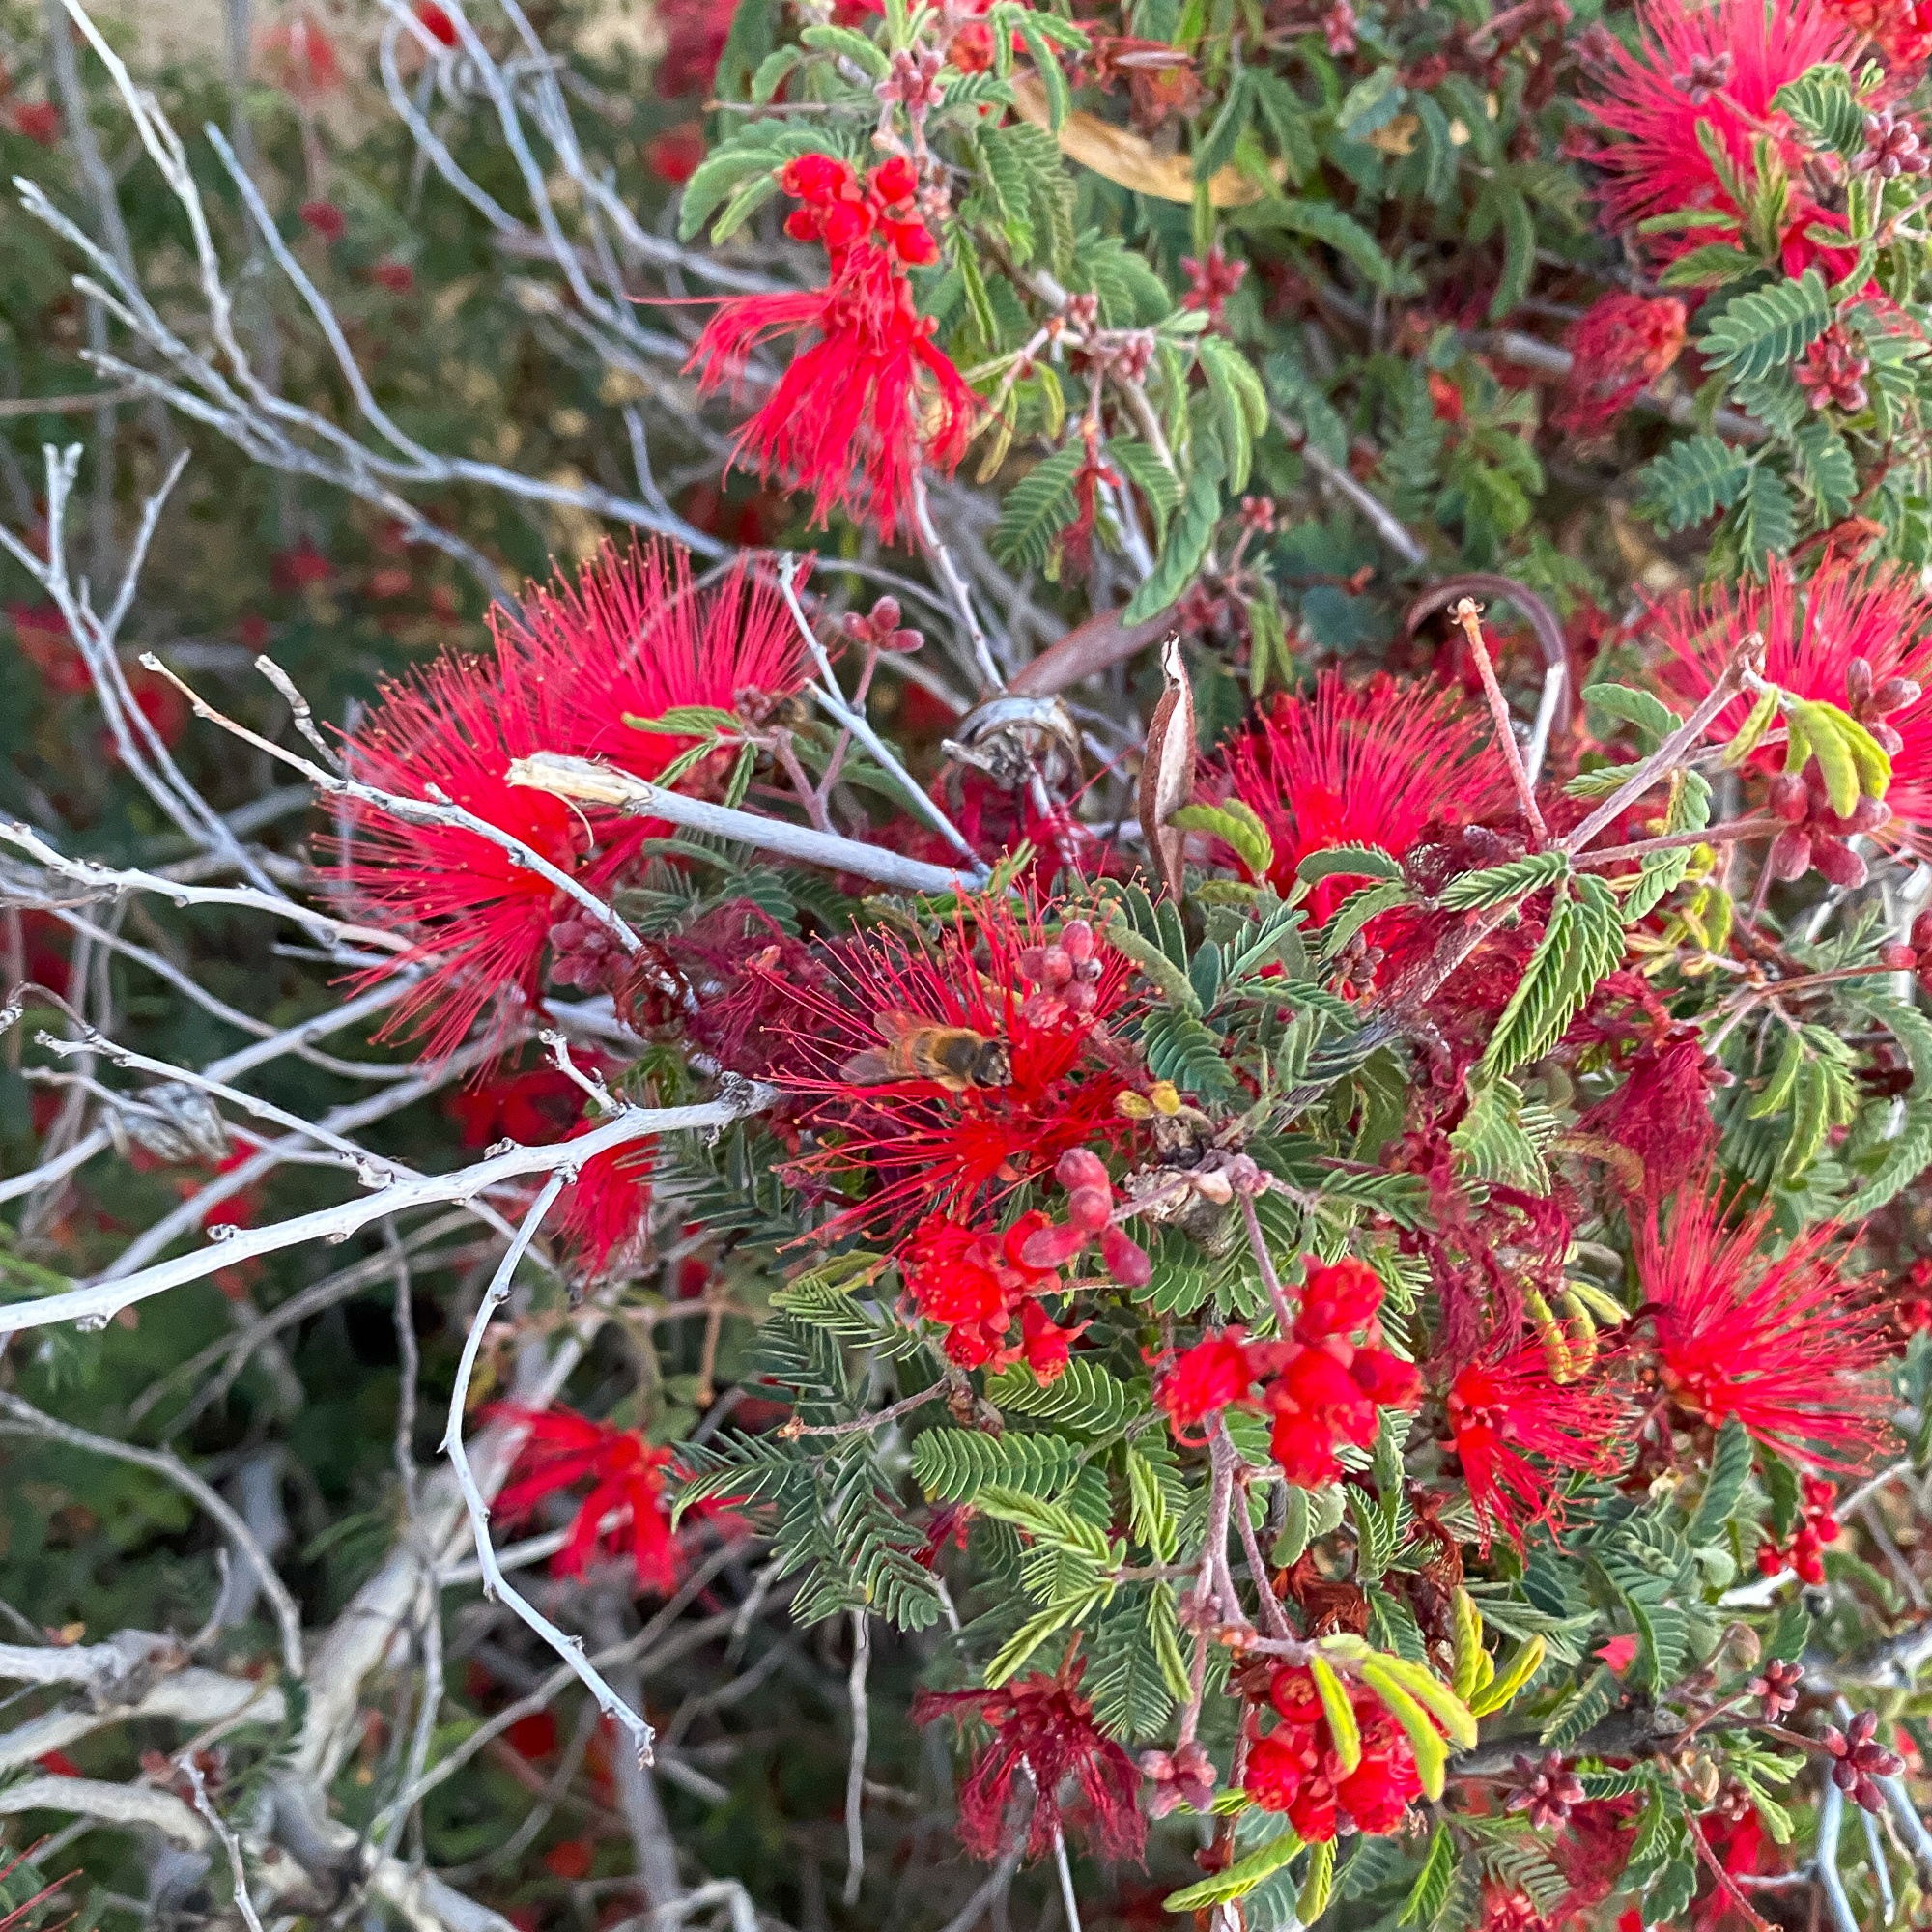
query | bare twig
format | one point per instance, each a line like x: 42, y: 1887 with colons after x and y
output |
x: 495, y: 1583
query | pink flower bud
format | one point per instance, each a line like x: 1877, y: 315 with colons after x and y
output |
x: 1077, y: 936
x: 1079, y: 1167
x: 1895, y: 695
x: 1868, y: 815
x: 1900, y: 959
x: 1790, y: 856
x: 1125, y: 1258
x: 1088, y: 1209
x: 1052, y: 1247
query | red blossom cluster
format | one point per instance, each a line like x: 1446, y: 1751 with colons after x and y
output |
x: 1620, y: 345
x: 627, y: 1475
x: 1781, y: 1342
x: 1043, y: 1731
x: 1816, y: 1526
x: 1852, y: 637
x: 854, y: 414
x: 1697, y: 85
x: 973, y: 1284
x: 1321, y: 1383
x: 1381, y: 765
x: 1295, y: 1766
x: 1508, y: 1407
x: 999, y: 977
x: 632, y: 637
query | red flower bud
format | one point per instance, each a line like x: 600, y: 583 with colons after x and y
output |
x: 1088, y: 1209
x: 1077, y: 936
x: 1900, y: 959
x: 895, y: 180
x: 1790, y: 856
x: 1789, y: 798
x: 1838, y: 862
x: 1895, y: 695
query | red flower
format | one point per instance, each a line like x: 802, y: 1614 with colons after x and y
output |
x: 325, y: 218
x: 1295, y: 1768
x: 674, y: 154
x: 606, y: 1205
x: 1503, y: 1411
x: 1661, y: 1110
x: 1902, y: 28
x: 1818, y: 1526
x: 479, y: 918
x: 1781, y: 1343
x: 940, y: 1152
x: 533, y: 1107
x: 1698, y: 72
x: 1206, y: 1379
x: 1622, y: 344
x: 1618, y: 1654
x: 1042, y: 1727
x: 695, y: 34
x: 1211, y: 281
x: 1845, y: 637
x: 626, y: 1473
x: 38, y: 121
x: 855, y: 412
x: 1378, y: 765
x: 972, y: 1283
x: 398, y: 277
x: 435, y: 22
x: 1331, y: 1376
x: 630, y: 635
x: 299, y: 58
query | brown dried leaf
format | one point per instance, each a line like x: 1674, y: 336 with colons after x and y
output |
x: 1167, y: 768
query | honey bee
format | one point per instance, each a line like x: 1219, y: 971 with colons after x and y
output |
x: 955, y: 1057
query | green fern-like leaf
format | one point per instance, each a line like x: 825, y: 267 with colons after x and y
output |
x: 1036, y: 508
x: 1768, y: 328
x: 1582, y: 942
x: 1188, y: 1051
x: 953, y: 1465
x: 1691, y: 481
x: 1181, y: 557
x: 1084, y: 1397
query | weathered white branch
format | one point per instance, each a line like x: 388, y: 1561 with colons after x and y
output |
x: 604, y: 785
x: 101, y: 1301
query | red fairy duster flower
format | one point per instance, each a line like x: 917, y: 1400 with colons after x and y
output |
x: 1503, y: 1411
x: 299, y: 58
x: 1332, y: 1374
x: 563, y: 1449
x: 1662, y: 1112
x: 1205, y: 1380
x: 945, y: 1151
x: 1852, y: 637
x: 858, y: 410
x: 1780, y: 1341
x: 630, y: 635
x: 606, y: 1205
x: 1622, y: 344
x: 1706, y: 70
x: 477, y: 916
x: 1377, y: 765
x: 1044, y: 1729
x: 1902, y: 28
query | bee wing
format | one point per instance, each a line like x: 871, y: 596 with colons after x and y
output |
x: 868, y: 1069
x: 894, y: 1022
